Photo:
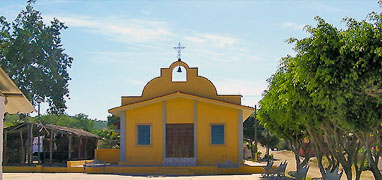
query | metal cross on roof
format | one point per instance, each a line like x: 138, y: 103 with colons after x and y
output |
x: 179, y: 49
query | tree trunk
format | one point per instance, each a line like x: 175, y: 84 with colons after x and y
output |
x: 318, y: 149
x: 373, y: 164
x: 332, y: 135
x: 294, y: 146
x: 267, y: 154
x: 373, y: 160
x: 376, y: 173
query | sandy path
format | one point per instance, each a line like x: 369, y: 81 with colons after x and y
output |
x: 80, y: 176
x: 314, y: 171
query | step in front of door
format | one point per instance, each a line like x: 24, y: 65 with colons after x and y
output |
x: 176, y: 171
x: 179, y: 162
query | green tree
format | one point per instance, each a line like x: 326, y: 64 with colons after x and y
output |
x: 331, y: 90
x: 342, y: 72
x: 283, y: 111
x: 78, y: 121
x: 269, y: 141
x: 112, y: 120
x: 248, y: 128
x: 110, y: 138
x: 32, y: 55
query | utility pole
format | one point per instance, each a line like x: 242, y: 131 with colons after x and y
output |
x: 255, y: 135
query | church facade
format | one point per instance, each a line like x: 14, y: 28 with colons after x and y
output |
x: 181, y: 123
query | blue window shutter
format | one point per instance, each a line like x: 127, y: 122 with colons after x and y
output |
x: 217, y: 134
x: 144, y: 137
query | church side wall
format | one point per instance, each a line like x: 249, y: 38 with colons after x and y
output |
x: 208, y: 114
x: 147, y: 154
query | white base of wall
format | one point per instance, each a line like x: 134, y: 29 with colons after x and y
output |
x: 179, y: 162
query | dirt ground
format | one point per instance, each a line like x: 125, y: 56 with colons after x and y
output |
x: 279, y: 155
x: 80, y: 176
x: 314, y: 171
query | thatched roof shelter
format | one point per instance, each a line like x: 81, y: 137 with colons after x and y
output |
x: 57, y: 143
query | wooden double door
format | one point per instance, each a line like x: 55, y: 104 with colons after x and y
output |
x: 179, y: 140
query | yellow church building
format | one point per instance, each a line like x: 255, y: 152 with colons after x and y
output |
x: 181, y: 122
x: 176, y: 127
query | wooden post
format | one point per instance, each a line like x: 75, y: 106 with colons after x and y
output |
x: 31, y: 143
x: 86, y: 149
x: 5, y: 159
x: 22, y: 147
x: 51, y: 146
x: 79, y: 147
x: 70, y: 147
x: 27, y: 145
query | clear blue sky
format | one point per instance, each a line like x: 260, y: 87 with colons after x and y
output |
x: 118, y: 46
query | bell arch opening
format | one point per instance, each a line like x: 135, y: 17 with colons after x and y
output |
x: 179, y: 74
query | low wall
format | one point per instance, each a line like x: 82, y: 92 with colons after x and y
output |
x: 107, y: 155
x: 77, y: 163
x: 39, y: 169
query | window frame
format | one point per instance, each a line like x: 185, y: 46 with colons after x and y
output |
x: 224, y: 135
x: 137, y: 135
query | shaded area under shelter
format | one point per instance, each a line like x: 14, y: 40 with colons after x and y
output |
x: 58, y: 144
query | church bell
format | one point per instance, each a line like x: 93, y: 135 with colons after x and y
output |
x: 179, y: 70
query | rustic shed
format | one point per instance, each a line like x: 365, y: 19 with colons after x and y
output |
x: 57, y: 144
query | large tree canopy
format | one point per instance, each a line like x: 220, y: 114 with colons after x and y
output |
x: 31, y: 53
x: 330, y: 92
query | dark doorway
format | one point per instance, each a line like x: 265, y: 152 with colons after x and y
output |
x: 179, y: 140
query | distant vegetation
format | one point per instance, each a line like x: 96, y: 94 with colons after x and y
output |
x: 78, y: 121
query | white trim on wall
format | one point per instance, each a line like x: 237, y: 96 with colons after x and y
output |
x: 164, y: 117
x: 122, y: 130
x: 2, y: 107
x: 240, y: 135
x: 195, y: 128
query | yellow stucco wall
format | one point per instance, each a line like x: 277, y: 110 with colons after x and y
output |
x: 148, y: 154
x: 207, y: 153
x: 195, y: 84
x: 107, y: 155
x: 179, y: 98
x: 179, y: 110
